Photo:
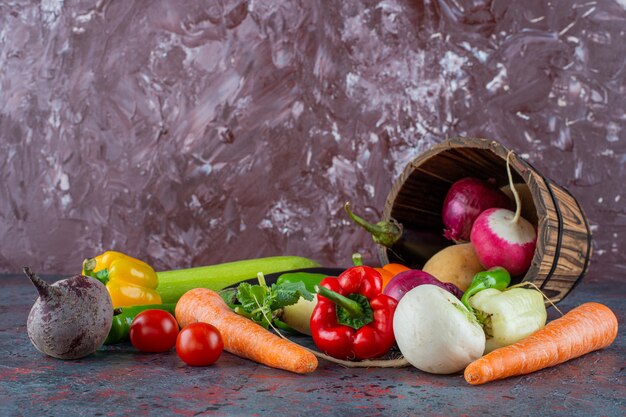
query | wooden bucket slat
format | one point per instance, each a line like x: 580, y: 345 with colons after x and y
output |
x: 572, y: 215
x: 434, y: 175
x: 564, y: 238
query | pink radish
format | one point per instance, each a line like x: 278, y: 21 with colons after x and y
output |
x: 503, y: 238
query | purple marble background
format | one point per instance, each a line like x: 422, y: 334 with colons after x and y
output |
x: 195, y: 132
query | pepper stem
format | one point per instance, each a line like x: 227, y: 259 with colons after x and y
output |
x: 496, y: 277
x: 467, y: 295
x: 352, y: 307
x: 89, y: 265
x: 385, y: 233
x: 357, y: 259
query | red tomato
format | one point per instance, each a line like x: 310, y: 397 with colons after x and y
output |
x: 154, y: 331
x: 199, y: 344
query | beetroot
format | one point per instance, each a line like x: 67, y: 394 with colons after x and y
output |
x: 71, y: 318
x: 466, y: 199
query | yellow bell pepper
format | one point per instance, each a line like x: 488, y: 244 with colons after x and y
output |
x: 130, y: 282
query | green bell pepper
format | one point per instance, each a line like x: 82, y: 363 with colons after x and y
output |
x: 122, y: 321
x: 309, y: 279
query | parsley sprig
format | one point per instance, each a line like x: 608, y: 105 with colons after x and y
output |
x: 262, y: 302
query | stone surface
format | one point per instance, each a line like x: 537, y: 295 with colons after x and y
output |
x: 189, y: 133
x: 119, y: 381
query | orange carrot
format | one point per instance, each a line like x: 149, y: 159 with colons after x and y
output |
x: 389, y: 271
x: 586, y: 328
x: 386, y: 275
x: 396, y: 268
x: 241, y: 336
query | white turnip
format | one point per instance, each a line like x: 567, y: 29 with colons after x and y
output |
x: 298, y: 316
x: 435, y: 332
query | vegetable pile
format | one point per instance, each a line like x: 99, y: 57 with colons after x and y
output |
x: 458, y: 313
x: 242, y: 336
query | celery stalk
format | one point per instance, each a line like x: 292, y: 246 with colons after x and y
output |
x: 173, y: 284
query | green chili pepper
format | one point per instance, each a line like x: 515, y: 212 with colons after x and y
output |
x: 122, y: 321
x: 309, y: 279
x: 496, y: 277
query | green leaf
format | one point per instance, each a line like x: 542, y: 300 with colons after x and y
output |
x: 254, y: 301
x: 251, y: 296
x: 288, y: 293
x: 261, y: 303
x: 229, y: 295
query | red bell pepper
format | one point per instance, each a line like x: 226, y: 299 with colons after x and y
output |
x: 352, y: 318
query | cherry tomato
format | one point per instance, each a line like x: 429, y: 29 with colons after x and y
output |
x: 153, y: 331
x: 199, y: 344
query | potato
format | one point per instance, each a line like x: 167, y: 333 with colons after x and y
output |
x: 456, y: 264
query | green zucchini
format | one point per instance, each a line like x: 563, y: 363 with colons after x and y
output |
x: 173, y: 284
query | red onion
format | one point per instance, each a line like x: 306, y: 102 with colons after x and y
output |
x: 407, y: 280
x: 466, y: 199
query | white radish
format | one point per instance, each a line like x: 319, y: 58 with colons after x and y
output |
x: 298, y: 315
x: 503, y: 238
x: 435, y: 332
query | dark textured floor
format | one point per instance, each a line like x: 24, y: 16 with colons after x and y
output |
x: 119, y: 381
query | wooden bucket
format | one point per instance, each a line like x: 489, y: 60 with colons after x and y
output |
x: 416, y: 200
